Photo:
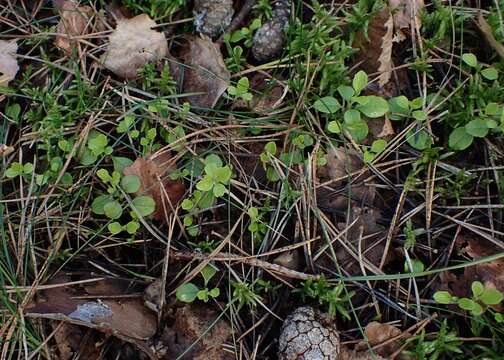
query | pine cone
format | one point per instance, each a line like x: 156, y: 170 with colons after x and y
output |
x: 304, y: 337
x: 212, y: 16
x: 270, y: 38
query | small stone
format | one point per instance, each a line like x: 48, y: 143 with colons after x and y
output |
x: 269, y: 40
x: 212, y: 17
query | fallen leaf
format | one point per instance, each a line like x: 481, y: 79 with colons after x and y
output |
x: 132, y: 45
x: 154, y: 172
x: 5, y: 150
x: 405, y: 13
x: 377, y: 333
x: 211, y: 17
x: 385, y: 58
x: 197, y: 332
x: 365, y: 231
x: 380, y: 128
x: 203, y: 72
x: 488, y: 34
x: 74, y: 22
x: 127, y: 318
x: 8, y: 63
x: 336, y: 195
x: 289, y: 259
x: 268, y: 94
x: 491, y: 273
x: 70, y: 340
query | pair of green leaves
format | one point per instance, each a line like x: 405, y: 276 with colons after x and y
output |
x: 462, y: 137
x: 489, y: 73
x: 188, y: 292
x: 18, y: 169
x: 241, y: 89
x: 480, y: 295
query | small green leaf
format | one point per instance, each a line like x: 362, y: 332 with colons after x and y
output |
x: 215, y: 292
x: 145, y: 205
x: 13, y: 111
x: 208, y: 273
x: 187, y: 292
x: 205, y: 184
x: 419, y: 115
x: 187, y: 204
x: 477, y: 288
x: 120, y: 163
x: 346, y: 92
x: 491, y: 296
x: 223, y: 174
x: 417, y: 265
x: 368, y: 157
x: 399, y: 104
x: 477, y: 310
x: 271, y: 148
x: 213, y: 159
x: 132, y: 227
x: 115, y: 228
x: 378, y: 146
x: 477, y: 128
x: 113, y: 210
x: 443, y: 297
x: 219, y: 190
x: 130, y: 183
x: 103, y: 174
x: 11, y: 173
x: 99, y: 203
x: 334, y: 127
x: 253, y: 212
x: 28, y: 168
x: 359, y: 81
x: 372, y: 106
x: 470, y: 59
x: 357, y: 128
x: 466, y: 304
x: 327, y: 105
x: 188, y: 220
x: 202, y: 295
x: 492, y: 109
x: 420, y: 140
x: 459, y: 139
x: 490, y: 73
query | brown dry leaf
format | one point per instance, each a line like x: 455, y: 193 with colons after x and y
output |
x: 405, y: 12
x: 74, y: 22
x: 203, y: 72
x: 127, y: 318
x: 196, y: 328
x: 365, y: 231
x: 154, y: 172
x: 5, y: 150
x: 132, y: 45
x: 491, y: 273
x: 268, y: 94
x: 8, y: 63
x: 380, y: 128
x: 336, y: 195
x: 378, y: 333
x: 488, y: 34
x: 70, y: 340
x: 385, y: 58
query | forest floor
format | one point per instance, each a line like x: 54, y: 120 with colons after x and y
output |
x: 251, y: 179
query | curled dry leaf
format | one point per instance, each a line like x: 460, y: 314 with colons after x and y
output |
x: 5, y: 150
x: 269, y: 39
x: 8, y: 63
x: 203, y: 72
x: 378, y: 333
x: 198, y: 333
x: 155, y: 182
x: 308, y: 334
x: 73, y: 22
x: 211, y: 17
x: 127, y: 319
x: 132, y: 45
x: 289, y: 259
x: 336, y: 195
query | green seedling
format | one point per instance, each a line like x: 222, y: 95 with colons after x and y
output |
x: 189, y: 292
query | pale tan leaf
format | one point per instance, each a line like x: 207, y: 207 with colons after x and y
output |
x: 5, y: 150
x: 8, y: 63
x: 132, y: 45
x: 73, y: 22
x: 406, y: 13
x: 488, y: 34
x: 385, y: 58
x: 203, y: 72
